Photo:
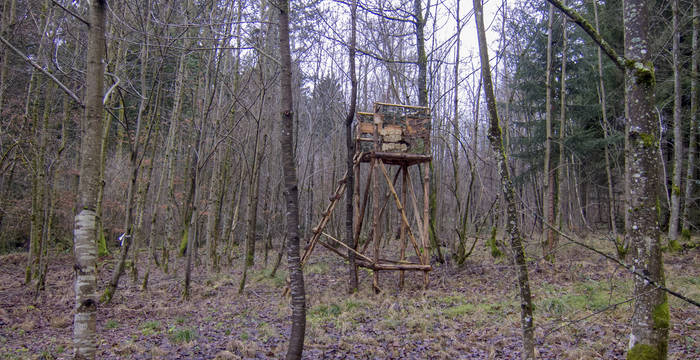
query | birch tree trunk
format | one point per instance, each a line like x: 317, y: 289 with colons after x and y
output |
x: 291, y: 190
x: 85, y: 249
x: 496, y: 140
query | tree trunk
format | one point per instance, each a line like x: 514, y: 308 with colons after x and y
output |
x: 455, y: 122
x: 194, y: 214
x: 253, y: 199
x: 231, y: 205
x: 562, y: 129
x: 8, y: 17
x: 296, y: 337
x: 38, y: 154
x: 267, y: 216
x: 141, y: 202
x: 235, y: 206
x: 420, y: 21
x: 85, y: 319
x: 650, y: 320
x: 692, y: 142
x: 677, y: 134
x: 101, y: 237
x: 172, y: 230
x: 548, y: 201
x: 349, y: 163
x: 496, y: 140
x: 52, y: 200
x: 606, y: 132
x: 39, y: 189
x: 152, y: 231
x: 134, y: 167
x: 214, y: 210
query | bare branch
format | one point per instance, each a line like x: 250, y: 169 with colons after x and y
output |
x: 70, y: 12
x: 116, y: 83
x: 38, y: 67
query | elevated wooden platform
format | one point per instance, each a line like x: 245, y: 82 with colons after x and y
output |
x: 394, y: 128
x: 395, y: 158
x: 397, y: 137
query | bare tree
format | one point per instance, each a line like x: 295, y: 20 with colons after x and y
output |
x: 692, y: 143
x: 496, y: 140
x: 350, y: 146
x: 677, y: 134
x: 548, y: 200
x: 85, y: 248
x: 606, y: 130
x: 291, y: 190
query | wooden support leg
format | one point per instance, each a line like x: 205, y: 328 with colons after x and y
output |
x: 414, y: 202
x: 426, y: 220
x: 363, y: 207
x: 356, y: 201
x: 385, y: 202
x: 376, y: 222
x: 402, y: 235
x: 402, y: 212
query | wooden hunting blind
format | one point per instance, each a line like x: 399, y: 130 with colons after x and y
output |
x: 391, y: 140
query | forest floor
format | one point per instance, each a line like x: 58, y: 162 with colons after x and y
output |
x: 583, y: 306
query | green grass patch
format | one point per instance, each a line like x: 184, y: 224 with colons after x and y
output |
x: 453, y: 299
x: 687, y: 280
x: 325, y: 311
x: 265, y: 276
x: 265, y: 331
x: 459, y: 310
x: 390, y: 324
x: 589, y: 295
x: 46, y: 355
x: 316, y: 268
x: 150, y: 328
x: 180, y: 335
x: 111, y: 324
x: 352, y: 304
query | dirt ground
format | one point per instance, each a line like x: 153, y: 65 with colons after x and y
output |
x: 583, y: 306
